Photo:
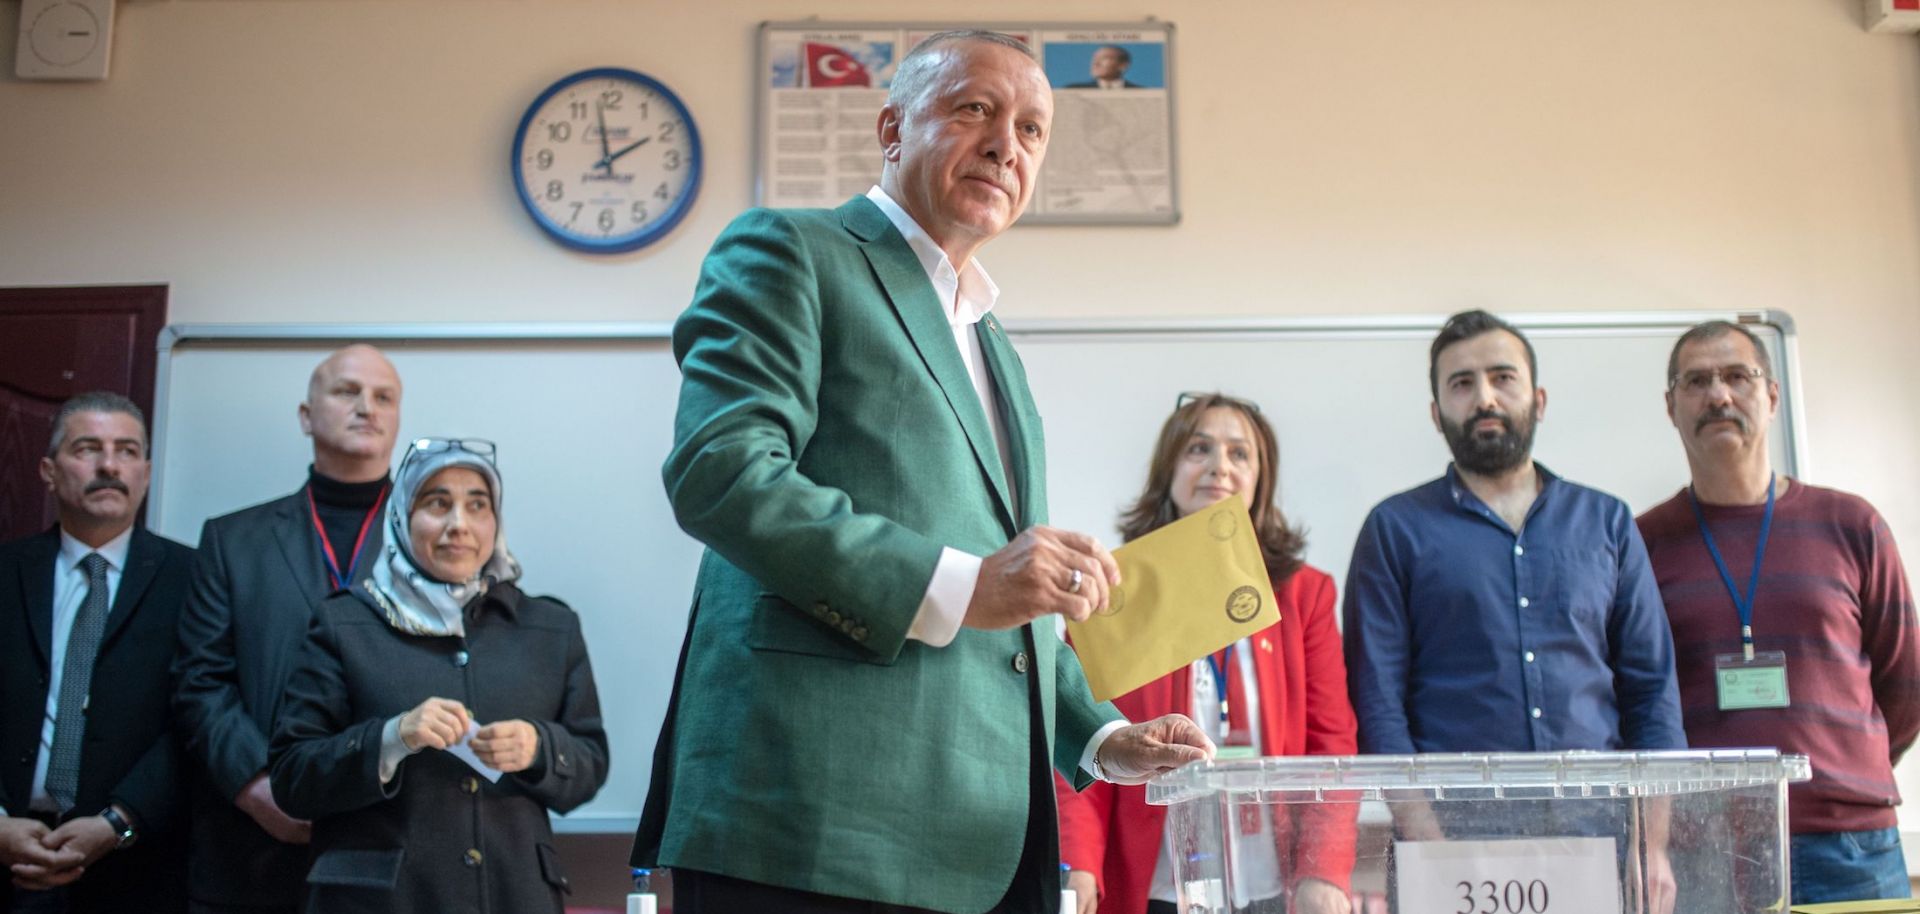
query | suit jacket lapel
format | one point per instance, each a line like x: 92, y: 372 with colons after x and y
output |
x: 1021, y: 420
x: 36, y: 573
x: 301, y: 549
x: 922, y: 313
x: 143, y: 563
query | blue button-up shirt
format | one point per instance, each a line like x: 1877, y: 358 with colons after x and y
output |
x: 1463, y: 635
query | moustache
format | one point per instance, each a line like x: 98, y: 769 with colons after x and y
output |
x: 1000, y: 177
x: 1720, y: 415
x: 1502, y: 418
x: 106, y: 482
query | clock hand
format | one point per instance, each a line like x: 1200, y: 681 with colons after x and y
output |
x: 636, y: 144
x: 606, y: 161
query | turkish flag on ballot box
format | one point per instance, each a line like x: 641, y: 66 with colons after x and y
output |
x: 828, y: 65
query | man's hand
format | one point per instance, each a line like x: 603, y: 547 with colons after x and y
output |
x: 256, y: 800
x: 1317, y: 896
x: 77, y: 844
x: 507, y: 745
x: 1134, y: 753
x: 437, y: 723
x: 1035, y: 575
x: 30, y: 862
x: 1660, y: 885
x: 1086, y: 895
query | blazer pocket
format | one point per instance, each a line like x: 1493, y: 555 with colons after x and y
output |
x: 355, y: 868
x: 782, y: 627
x: 550, y: 868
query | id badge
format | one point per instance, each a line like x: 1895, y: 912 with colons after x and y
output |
x: 1746, y: 684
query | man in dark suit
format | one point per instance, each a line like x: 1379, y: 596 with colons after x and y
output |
x: 91, y: 602
x: 872, y: 697
x: 1108, y: 70
x: 261, y: 572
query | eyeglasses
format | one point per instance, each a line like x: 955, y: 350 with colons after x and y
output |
x: 1739, y: 379
x: 423, y: 447
x: 1191, y: 396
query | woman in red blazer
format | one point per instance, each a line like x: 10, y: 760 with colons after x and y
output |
x: 1211, y: 447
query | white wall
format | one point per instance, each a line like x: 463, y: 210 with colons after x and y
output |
x: 322, y: 160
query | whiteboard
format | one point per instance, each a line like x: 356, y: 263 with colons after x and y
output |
x: 583, y: 415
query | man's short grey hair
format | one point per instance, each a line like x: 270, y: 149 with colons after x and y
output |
x: 914, y: 76
x: 94, y: 401
x: 1713, y: 330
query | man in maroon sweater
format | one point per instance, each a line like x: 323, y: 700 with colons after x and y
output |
x: 1792, y: 622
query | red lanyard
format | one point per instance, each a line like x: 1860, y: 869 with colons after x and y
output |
x: 340, y: 581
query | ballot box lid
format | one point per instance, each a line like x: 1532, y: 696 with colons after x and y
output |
x: 1480, y: 776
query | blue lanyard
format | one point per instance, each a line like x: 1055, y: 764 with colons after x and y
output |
x: 1220, y: 680
x: 1741, y: 605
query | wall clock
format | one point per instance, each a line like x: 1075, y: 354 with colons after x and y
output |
x: 607, y: 160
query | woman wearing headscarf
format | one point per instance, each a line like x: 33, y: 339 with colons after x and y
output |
x: 439, y: 713
x: 1282, y: 691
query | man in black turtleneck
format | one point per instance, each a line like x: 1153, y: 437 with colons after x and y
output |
x: 260, y: 572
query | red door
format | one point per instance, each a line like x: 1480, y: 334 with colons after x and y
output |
x: 56, y: 342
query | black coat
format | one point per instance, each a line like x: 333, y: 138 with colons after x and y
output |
x: 129, y: 754
x: 438, y: 837
x: 260, y: 575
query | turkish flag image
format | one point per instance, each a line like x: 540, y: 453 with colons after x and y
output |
x: 828, y: 65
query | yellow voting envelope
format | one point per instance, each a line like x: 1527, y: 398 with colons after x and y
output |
x: 1186, y: 590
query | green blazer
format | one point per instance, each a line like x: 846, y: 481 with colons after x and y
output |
x: 828, y: 444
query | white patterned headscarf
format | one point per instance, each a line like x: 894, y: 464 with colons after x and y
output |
x: 412, y: 600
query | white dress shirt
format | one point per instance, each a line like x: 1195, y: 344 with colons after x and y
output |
x: 69, y: 591
x: 966, y: 295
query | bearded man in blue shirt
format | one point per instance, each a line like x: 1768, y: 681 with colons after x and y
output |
x: 1501, y: 608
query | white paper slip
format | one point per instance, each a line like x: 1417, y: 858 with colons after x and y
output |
x: 464, y: 752
x: 1511, y: 876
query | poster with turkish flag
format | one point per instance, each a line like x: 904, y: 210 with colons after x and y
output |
x: 831, y: 65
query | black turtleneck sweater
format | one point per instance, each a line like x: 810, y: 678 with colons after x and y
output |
x: 343, y: 507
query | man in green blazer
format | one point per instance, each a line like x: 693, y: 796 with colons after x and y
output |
x: 872, y: 694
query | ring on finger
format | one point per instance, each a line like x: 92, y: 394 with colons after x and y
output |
x: 1073, y: 582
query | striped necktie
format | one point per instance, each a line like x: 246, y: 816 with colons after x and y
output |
x: 70, y: 719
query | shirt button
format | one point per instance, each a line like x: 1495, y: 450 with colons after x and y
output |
x: 473, y: 856
x: 1519, y: 549
x: 460, y: 658
x: 1536, y: 713
x: 1529, y: 656
x: 1523, y: 602
x: 470, y: 784
x: 1020, y: 662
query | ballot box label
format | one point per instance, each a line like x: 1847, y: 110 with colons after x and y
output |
x: 1507, y: 876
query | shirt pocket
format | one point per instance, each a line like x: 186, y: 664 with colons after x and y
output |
x: 1585, y: 581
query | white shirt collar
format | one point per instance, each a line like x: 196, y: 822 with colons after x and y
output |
x: 967, y: 295
x: 114, y: 550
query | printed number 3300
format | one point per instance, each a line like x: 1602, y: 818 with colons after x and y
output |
x: 1512, y: 897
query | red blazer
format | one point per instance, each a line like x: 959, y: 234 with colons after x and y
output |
x: 1110, y: 830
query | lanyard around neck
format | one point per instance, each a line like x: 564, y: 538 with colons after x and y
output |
x: 1741, y: 604
x: 340, y: 581
x: 1220, y: 681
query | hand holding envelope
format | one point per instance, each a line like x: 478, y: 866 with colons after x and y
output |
x: 1187, y: 589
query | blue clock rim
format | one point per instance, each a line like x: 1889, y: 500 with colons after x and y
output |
x: 625, y: 243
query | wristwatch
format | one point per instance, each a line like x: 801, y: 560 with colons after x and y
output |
x: 121, y: 827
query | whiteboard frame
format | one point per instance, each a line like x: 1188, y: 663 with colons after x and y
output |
x: 1786, y: 371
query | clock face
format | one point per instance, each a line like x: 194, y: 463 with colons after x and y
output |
x: 607, y: 160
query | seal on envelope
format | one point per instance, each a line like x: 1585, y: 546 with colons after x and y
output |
x: 1243, y: 604
x: 1223, y: 525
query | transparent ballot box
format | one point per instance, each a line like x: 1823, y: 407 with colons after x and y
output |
x: 1701, y: 832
